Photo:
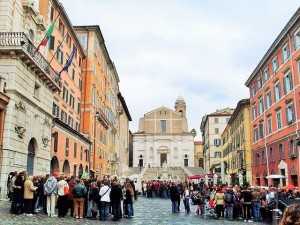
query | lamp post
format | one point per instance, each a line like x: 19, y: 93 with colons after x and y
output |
x: 94, y: 152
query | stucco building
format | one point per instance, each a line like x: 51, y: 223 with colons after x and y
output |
x: 163, y: 139
x: 274, y: 98
x: 28, y: 82
x: 212, y: 126
x: 236, y: 146
x: 70, y: 148
x: 199, y: 160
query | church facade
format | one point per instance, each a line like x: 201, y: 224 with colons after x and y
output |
x: 163, y: 139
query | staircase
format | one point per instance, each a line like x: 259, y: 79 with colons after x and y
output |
x: 170, y: 173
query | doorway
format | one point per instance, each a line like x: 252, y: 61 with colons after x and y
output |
x: 163, y: 159
x: 30, y: 156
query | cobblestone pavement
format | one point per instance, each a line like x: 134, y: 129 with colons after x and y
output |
x: 147, y: 212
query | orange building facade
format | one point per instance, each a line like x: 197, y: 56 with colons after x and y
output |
x: 275, y: 107
x: 95, y: 121
x: 70, y: 148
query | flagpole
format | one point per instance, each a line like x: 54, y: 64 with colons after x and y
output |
x: 37, y: 48
x: 58, y: 48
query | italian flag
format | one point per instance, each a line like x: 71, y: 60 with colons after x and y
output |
x: 47, y: 36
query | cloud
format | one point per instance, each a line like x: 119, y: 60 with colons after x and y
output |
x: 203, y: 50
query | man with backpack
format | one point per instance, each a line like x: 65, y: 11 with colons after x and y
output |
x: 229, y: 203
x: 50, y: 188
x: 79, y: 194
x: 104, y: 200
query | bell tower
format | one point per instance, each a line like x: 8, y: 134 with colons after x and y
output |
x: 180, y: 106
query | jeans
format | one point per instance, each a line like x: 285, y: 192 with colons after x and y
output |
x: 51, y: 204
x: 104, y: 210
x: 186, y: 202
x: 229, y: 211
x: 130, y: 209
x: 175, y: 206
x: 256, y: 211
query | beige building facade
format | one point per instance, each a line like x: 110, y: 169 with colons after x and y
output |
x: 199, y: 160
x: 29, y: 82
x: 163, y: 139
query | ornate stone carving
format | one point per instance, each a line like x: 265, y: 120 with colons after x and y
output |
x: 47, y: 122
x: 20, y: 106
x: 45, y: 141
x: 20, y: 131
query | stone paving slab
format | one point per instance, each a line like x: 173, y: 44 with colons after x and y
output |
x: 147, y: 212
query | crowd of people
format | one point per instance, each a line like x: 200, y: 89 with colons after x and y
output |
x: 222, y: 201
x: 82, y: 198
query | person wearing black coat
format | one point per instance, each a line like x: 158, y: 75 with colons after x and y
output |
x: 174, y: 196
x: 116, y: 196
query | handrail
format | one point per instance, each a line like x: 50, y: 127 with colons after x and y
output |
x: 19, y: 39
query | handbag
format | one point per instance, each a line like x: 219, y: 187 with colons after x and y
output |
x: 66, y: 190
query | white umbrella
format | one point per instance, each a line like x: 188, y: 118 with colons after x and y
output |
x: 275, y: 176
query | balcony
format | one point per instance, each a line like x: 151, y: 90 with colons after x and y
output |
x: 17, y: 44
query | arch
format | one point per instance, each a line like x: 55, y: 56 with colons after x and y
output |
x: 80, y: 170
x: 66, y: 168
x: 32, y: 147
x: 54, y: 169
x: 86, y: 169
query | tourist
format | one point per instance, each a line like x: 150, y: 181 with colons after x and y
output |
x: 104, y: 200
x: 79, y: 193
x: 71, y: 183
x: 256, y: 205
x: 246, y: 198
x: 291, y: 215
x: 186, y: 199
x: 50, y: 188
x: 93, y: 199
x: 116, y: 197
x: 128, y: 201
x: 228, y: 200
x: 29, y: 189
x: 174, y: 195
x: 219, y: 198
x: 18, y: 194
x: 62, y: 201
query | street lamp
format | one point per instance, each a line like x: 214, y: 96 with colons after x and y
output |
x: 94, y: 153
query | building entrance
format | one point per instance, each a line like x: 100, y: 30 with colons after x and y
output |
x: 163, y: 159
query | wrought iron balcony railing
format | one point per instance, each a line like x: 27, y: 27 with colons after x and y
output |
x: 19, y: 43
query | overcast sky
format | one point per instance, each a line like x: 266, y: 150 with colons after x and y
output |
x: 203, y: 50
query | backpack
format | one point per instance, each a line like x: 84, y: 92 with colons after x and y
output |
x: 228, y: 197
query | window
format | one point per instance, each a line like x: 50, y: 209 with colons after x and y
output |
x: 55, y: 110
x: 86, y: 155
x: 217, y: 155
x: 281, y: 151
x: 75, y: 150
x: 260, y: 105
x: 51, y: 13
x: 277, y: 91
x: 266, y: 75
x: 80, y: 84
x: 78, y: 107
x: 298, y: 62
x: 216, y: 120
x: 268, y: 100
x: 278, y: 119
x: 36, y: 92
x: 81, y: 153
x: 255, y: 130
x: 73, y: 74
x: 52, y: 42
x: 61, y: 27
x: 67, y: 147
x: 259, y: 82
x: 59, y: 56
x: 55, y: 141
x: 217, y: 142
x: 216, y: 130
x: 271, y: 155
x: 292, y: 147
x: 297, y: 39
x: 288, y: 82
x: 163, y: 126
x: 290, y: 113
x: 285, y: 53
x: 269, y: 123
x: 254, y: 111
x: 261, y: 130
x: 275, y: 64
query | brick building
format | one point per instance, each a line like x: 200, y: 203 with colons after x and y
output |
x: 274, y: 100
